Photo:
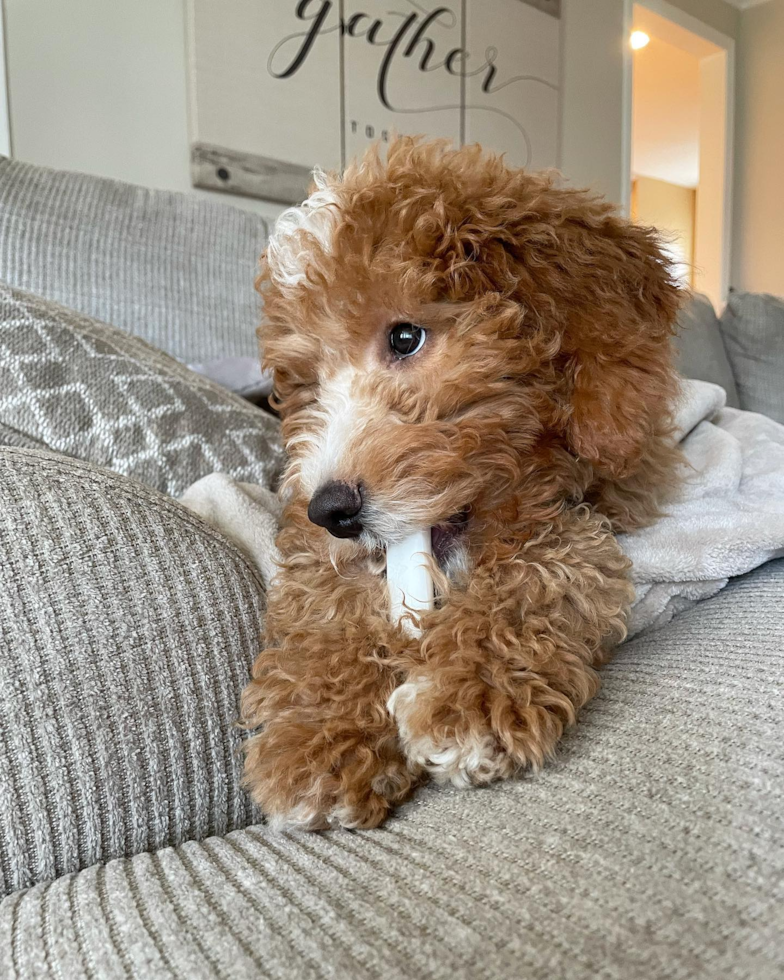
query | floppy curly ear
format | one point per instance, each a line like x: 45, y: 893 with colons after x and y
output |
x: 618, y: 342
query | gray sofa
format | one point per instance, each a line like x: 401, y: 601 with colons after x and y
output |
x: 651, y: 848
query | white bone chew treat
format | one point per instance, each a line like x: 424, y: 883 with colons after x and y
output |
x: 409, y: 580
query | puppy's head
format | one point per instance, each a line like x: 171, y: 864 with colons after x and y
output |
x: 448, y: 334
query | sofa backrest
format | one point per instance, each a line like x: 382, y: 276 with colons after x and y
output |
x: 127, y: 631
x: 752, y: 326
x: 174, y: 269
x: 700, y: 347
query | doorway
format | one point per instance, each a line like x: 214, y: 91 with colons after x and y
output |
x: 681, y: 141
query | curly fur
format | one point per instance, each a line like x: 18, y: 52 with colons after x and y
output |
x: 541, y: 401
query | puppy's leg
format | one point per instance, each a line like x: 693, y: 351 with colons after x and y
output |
x: 507, y: 663
x: 327, y: 752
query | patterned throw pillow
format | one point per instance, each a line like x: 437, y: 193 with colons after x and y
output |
x: 80, y: 387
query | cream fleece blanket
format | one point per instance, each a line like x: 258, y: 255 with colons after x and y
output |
x: 729, y: 517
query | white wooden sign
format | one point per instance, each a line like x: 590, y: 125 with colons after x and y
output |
x: 280, y: 86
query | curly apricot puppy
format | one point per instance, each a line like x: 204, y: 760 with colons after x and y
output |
x: 461, y: 346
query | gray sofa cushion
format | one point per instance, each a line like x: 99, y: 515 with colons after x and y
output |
x: 700, y: 347
x: 127, y: 630
x: 70, y: 383
x: 753, y: 329
x: 651, y: 849
x: 172, y: 268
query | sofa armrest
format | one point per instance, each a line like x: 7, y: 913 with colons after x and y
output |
x: 127, y: 631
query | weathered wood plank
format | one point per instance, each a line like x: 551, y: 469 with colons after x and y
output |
x: 217, y: 169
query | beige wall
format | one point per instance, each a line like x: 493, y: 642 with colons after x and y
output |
x: 100, y: 86
x: 596, y: 99
x: 758, y: 263
x: 671, y: 209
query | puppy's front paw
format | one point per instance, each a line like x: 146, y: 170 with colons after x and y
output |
x: 475, y: 733
x: 450, y: 753
x: 305, y: 778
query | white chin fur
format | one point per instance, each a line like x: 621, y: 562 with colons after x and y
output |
x: 469, y: 762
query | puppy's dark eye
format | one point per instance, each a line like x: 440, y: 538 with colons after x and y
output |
x: 406, y: 339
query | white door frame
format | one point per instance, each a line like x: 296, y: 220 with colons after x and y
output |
x: 677, y: 16
x: 5, y: 115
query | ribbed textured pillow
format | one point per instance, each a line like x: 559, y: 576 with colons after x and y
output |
x: 127, y: 631
x: 174, y: 269
x: 753, y: 329
x: 700, y: 347
x: 72, y: 384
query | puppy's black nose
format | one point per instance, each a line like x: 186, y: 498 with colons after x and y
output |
x: 337, y: 507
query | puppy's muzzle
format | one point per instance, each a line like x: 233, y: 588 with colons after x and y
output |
x: 337, y: 507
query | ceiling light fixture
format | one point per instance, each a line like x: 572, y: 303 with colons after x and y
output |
x: 638, y: 40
